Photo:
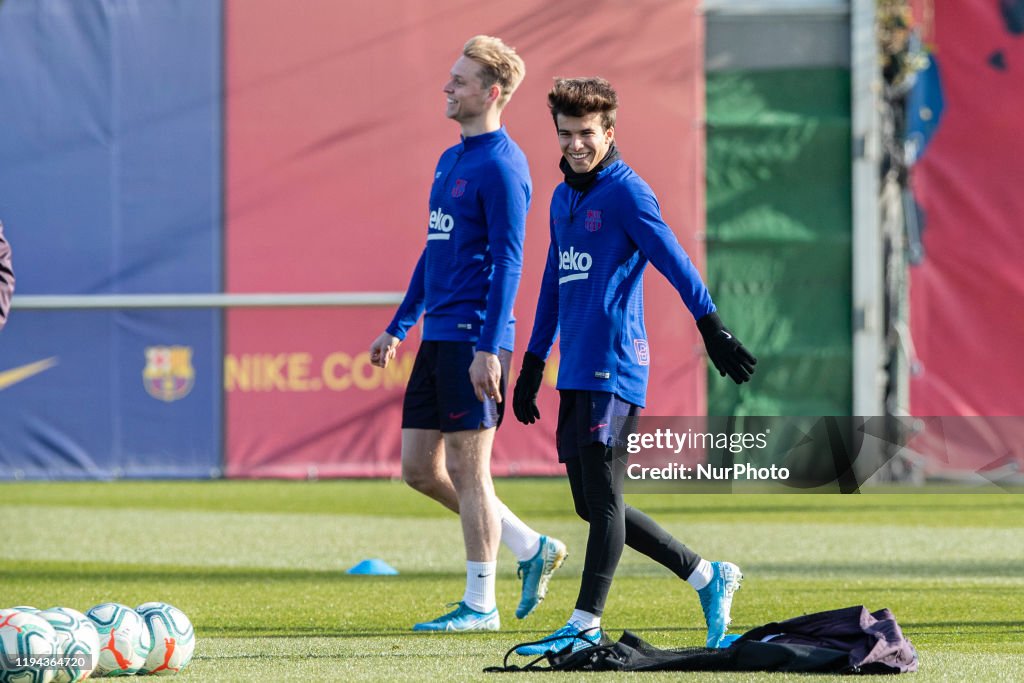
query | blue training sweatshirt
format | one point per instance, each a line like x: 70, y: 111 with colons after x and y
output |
x: 468, y: 275
x: 592, y: 297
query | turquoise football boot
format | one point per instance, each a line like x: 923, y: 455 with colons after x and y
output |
x: 561, y: 639
x: 536, y: 573
x: 462, y: 618
x: 716, y: 600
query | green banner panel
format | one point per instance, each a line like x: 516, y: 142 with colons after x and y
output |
x: 779, y: 236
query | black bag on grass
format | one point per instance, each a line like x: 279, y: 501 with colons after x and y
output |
x: 849, y: 640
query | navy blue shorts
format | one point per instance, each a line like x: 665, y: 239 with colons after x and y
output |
x: 587, y: 417
x: 439, y: 394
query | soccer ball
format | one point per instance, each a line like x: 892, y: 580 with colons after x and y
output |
x: 24, y: 635
x: 174, y: 640
x: 124, y: 639
x: 77, y: 639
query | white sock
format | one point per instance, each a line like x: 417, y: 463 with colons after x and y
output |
x: 584, y: 620
x: 701, y: 576
x: 480, y: 586
x: 523, y: 541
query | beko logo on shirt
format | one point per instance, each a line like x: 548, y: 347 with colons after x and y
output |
x: 441, y: 222
x: 577, y: 261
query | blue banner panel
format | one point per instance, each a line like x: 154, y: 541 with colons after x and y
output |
x: 110, y: 144
x: 109, y: 394
x: 110, y: 183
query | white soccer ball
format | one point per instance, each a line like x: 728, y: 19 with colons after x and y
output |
x: 124, y: 639
x: 23, y: 637
x: 78, y: 642
x: 174, y: 639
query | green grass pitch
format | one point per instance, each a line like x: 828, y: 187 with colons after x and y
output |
x: 259, y: 567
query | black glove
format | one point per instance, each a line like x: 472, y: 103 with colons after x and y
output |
x: 725, y: 350
x: 524, y: 396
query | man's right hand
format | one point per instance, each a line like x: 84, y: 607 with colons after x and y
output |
x: 383, y: 349
x: 524, y: 396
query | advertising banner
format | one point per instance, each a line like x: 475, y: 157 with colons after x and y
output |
x: 966, y: 318
x: 335, y: 121
x: 110, y: 183
x: 104, y: 394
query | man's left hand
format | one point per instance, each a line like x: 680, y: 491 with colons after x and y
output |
x: 725, y: 350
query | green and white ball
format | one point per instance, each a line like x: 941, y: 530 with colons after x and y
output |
x: 77, y: 641
x: 124, y: 639
x: 24, y: 635
x: 174, y: 639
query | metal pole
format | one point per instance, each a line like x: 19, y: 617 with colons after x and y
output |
x: 113, y: 301
x: 868, y: 342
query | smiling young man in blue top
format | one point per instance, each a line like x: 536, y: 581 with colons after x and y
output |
x: 464, y: 285
x: 605, y: 226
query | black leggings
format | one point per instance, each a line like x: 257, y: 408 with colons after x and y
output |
x: 596, y: 479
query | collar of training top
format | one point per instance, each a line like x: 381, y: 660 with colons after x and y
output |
x: 581, y: 182
x: 484, y: 139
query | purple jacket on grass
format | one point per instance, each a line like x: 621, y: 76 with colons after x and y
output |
x: 874, y: 640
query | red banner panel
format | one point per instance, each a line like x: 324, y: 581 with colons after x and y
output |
x: 967, y: 317
x: 335, y: 121
x: 303, y: 399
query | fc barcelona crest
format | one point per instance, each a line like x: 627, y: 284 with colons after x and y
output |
x: 593, y: 221
x: 459, y: 188
x: 169, y: 374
